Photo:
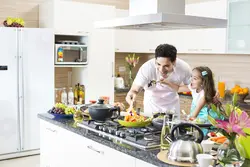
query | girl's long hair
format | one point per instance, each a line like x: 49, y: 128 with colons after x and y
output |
x: 207, y: 83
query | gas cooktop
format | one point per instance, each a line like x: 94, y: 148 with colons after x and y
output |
x: 146, y: 138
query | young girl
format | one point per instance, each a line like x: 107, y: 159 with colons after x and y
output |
x: 203, y: 93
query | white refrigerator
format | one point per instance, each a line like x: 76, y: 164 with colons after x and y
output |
x: 26, y: 86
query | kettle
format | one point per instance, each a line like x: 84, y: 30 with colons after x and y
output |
x: 185, y: 145
x: 119, y: 82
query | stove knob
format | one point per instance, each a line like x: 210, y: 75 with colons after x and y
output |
x: 111, y: 131
x: 105, y: 129
x: 117, y: 133
x: 122, y: 135
x: 100, y: 127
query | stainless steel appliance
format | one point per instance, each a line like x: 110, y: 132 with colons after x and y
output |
x: 146, y: 138
x: 70, y: 53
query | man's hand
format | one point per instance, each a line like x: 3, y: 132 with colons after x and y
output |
x: 130, y: 98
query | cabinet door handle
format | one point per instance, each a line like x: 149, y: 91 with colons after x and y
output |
x: 93, y: 149
x: 54, y: 131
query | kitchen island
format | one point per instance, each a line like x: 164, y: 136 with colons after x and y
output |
x: 63, y: 144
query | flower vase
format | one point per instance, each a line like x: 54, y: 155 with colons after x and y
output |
x: 130, y: 79
x: 231, y: 154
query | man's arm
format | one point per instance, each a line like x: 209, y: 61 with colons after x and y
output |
x: 131, y: 95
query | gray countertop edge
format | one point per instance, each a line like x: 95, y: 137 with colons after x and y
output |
x: 147, y: 156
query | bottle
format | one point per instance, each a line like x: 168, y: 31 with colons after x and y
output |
x: 164, y: 132
x: 70, y: 97
x: 80, y: 95
x: 75, y: 95
x: 83, y: 94
x: 64, y: 96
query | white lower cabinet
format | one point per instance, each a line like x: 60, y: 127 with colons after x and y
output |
x: 63, y: 148
x: 140, y: 163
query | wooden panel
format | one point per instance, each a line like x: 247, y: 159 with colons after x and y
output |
x: 61, y: 77
x: 120, y: 97
x: 232, y: 68
x: 120, y: 62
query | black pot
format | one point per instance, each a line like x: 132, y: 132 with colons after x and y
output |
x: 101, y: 112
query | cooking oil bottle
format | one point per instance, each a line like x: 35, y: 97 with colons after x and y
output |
x: 164, y: 132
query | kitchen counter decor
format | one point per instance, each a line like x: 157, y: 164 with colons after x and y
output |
x: 232, y: 126
x: 131, y: 61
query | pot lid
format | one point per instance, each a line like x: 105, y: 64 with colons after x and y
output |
x: 100, y: 105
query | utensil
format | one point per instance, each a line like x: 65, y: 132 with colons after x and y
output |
x: 185, y: 145
x: 101, y: 111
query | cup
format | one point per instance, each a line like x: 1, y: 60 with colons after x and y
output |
x: 204, y: 160
x: 207, y: 146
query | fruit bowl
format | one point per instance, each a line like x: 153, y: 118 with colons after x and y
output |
x: 241, y: 97
x: 13, y: 22
x: 62, y: 116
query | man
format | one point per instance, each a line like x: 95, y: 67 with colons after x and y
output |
x: 165, y: 69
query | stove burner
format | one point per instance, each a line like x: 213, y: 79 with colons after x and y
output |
x: 144, y: 129
x: 98, y: 123
x: 143, y: 138
x: 150, y: 137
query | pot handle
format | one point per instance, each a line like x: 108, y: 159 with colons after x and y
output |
x: 198, y: 140
x: 112, y: 110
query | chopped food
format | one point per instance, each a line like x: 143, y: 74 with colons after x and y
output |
x: 134, y: 117
x: 220, y: 139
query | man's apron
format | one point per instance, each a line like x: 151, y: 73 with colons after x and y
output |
x: 162, y: 98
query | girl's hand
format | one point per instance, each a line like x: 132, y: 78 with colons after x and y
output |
x: 216, y: 98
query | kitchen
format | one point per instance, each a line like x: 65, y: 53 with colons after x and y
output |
x: 204, y: 51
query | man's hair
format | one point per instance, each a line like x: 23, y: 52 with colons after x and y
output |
x: 166, y: 51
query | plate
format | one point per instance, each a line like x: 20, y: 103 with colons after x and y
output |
x: 134, y: 124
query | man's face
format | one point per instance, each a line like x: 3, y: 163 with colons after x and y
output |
x: 164, y: 66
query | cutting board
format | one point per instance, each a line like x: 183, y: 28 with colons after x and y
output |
x: 162, y: 156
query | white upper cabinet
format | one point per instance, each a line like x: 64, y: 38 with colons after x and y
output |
x: 69, y: 17
x: 132, y: 40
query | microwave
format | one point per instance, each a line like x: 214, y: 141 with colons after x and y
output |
x: 71, y: 54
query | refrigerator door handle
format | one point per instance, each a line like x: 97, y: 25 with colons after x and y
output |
x: 21, y: 98
x: 18, y: 90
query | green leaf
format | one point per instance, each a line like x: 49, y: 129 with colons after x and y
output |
x: 235, y: 99
x: 228, y: 110
x: 214, y: 108
x: 211, y: 120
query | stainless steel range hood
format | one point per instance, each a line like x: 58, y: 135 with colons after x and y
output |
x: 160, y: 15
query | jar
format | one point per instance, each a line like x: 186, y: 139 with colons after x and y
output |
x: 58, y: 95
x: 64, y: 96
x: 105, y: 98
x: 70, y: 96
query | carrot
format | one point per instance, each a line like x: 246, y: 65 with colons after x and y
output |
x: 221, y: 140
x: 217, y: 138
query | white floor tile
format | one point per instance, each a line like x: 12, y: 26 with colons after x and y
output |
x: 31, y: 161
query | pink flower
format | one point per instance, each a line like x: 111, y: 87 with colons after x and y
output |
x: 235, y: 124
x: 243, y: 120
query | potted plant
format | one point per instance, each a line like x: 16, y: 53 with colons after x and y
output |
x: 131, y: 61
x: 232, y: 125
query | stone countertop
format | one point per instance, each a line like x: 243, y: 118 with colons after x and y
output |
x: 147, y: 156
x: 68, y: 124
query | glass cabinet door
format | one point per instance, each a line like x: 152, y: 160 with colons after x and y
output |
x: 238, y: 30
